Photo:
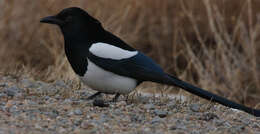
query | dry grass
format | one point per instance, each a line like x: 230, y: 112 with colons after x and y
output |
x: 211, y: 43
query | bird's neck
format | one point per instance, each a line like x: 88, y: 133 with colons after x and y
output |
x: 76, y: 50
x: 83, y: 34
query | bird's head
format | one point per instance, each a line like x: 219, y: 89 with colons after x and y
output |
x: 73, y: 20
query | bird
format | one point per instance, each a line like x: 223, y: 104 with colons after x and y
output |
x: 107, y: 64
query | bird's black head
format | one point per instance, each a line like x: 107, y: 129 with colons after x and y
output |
x: 73, y: 21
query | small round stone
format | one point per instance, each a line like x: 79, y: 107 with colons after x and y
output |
x: 78, y: 112
x: 160, y: 113
x: 100, y: 103
x: 194, y: 107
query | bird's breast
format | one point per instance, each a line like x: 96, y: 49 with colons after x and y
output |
x: 107, y: 82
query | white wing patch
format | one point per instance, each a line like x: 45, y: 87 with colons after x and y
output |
x: 104, y: 50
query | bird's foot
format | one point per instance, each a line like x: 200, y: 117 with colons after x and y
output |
x: 79, y: 86
x: 115, y: 99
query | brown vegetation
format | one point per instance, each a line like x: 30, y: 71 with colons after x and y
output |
x: 213, y: 44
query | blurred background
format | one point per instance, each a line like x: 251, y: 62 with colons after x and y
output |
x: 214, y: 44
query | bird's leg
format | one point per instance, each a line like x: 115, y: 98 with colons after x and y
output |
x: 79, y: 86
x: 93, y: 96
x: 128, y: 99
x: 116, y: 97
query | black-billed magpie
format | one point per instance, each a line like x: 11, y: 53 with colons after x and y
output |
x: 108, y: 65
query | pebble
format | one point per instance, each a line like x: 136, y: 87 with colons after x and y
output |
x: 209, y: 116
x: 37, y: 126
x: 149, y: 106
x: 13, y: 91
x: 121, y: 103
x: 28, y: 83
x: 60, y: 83
x: 3, y: 95
x: 173, y: 127
x: 67, y: 101
x: 100, y: 103
x: 13, y: 109
x: 172, y: 105
x: 30, y: 102
x: 156, y: 120
x: 160, y: 113
x: 195, y: 132
x: 178, y: 125
x: 219, y: 122
x: 77, y: 122
x: 87, y: 125
x: 195, y: 107
x: 51, y: 114
x: 136, y: 118
x: 62, y: 130
x: 46, y: 98
x: 78, y: 112
x: 46, y: 89
x: 3, y: 84
x: 103, y: 118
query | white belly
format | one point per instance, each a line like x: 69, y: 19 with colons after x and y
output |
x: 107, y: 82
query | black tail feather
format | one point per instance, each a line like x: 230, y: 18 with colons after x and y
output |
x: 210, y: 96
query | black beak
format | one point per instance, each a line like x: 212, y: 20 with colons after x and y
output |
x: 52, y: 20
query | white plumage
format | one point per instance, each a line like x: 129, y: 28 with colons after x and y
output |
x: 107, y: 82
x: 104, y: 50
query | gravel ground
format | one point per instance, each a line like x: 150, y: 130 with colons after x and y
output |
x: 29, y: 106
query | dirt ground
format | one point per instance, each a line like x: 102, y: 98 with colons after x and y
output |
x: 29, y: 106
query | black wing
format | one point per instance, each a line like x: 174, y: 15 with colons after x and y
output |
x: 139, y: 67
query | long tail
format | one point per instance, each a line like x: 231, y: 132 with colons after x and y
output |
x: 210, y: 96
